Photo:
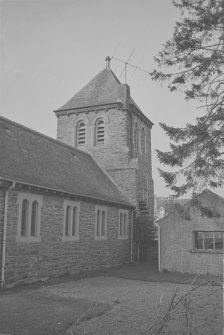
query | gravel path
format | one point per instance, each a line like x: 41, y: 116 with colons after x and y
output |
x: 136, y: 305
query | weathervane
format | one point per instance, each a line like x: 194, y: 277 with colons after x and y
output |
x: 126, y: 63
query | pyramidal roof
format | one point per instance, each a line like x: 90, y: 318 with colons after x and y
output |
x: 103, y: 89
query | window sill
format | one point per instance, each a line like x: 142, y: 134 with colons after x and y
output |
x: 194, y: 251
x: 70, y: 238
x: 122, y: 237
x: 24, y: 239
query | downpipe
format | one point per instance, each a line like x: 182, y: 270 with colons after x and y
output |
x: 4, y: 233
x: 132, y: 222
x: 159, y: 248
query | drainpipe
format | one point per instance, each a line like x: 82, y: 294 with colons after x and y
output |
x: 159, y: 248
x: 132, y: 221
x: 132, y: 236
x: 4, y: 233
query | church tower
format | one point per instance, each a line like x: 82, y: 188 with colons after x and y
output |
x: 104, y: 120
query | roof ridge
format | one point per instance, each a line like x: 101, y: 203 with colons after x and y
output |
x: 115, y: 77
x: 19, y: 125
x: 107, y: 69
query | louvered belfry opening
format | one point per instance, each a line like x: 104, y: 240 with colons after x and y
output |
x: 100, y: 131
x: 81, y: 133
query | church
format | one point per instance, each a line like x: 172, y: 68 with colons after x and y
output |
x: 69, y: 204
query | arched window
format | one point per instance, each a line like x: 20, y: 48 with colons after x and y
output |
x: 98, y: 223
x: 75, y: 222
x: 71, y: 221
x: 123, y: 225
x: 81, y: 133
x: 68, y: 220
x: 24, y: 218
x: 34, y: 218
x: 99, y: 131
x: 103, y: 232
x: 143, y: 141
x: 28, y: 228
x: 136, y: 137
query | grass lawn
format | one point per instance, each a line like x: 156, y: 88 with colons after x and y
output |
x: 30, y: 312
x: 149, y: 272
x: 27, y: 310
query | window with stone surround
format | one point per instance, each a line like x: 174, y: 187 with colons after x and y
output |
x: 208, y: 241
x: 28, y: 228
x: 71, y: 221
x: 123, y: 225
x: 100, y: 223
x: 99, y: 131
x: 80, y: 133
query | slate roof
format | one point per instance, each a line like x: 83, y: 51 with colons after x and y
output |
x: 35, y: 159
x: 207, y: 199
x: 102, y: 89
x: 105, y: 88
x: 167, y: 202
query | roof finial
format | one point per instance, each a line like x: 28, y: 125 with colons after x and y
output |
x: 108, y: 59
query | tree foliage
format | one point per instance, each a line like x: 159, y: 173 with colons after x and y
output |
x: 194, y: 59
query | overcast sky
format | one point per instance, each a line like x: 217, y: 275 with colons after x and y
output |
x: 50, y: 49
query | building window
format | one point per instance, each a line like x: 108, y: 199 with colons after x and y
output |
x: 208, y: 240
x: 29, y: 217
x: 24, y: 218
x: 101, y: 224
x: 75, y: 221
x: 123, y: 225
x: 71, y: 221
x: 136, y: 137
x: 34, y: 218
x: 99, y: 131
x: 67, y: 220
x: 143, y: 141
x: 81, y: 133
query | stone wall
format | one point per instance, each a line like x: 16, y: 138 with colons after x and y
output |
x: 131, y: 169
x: 177, y: 249
x: 126, y: 179
x: 145, y: 185
x: 32, y: 261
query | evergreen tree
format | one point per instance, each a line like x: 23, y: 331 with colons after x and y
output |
x: 194, y: 59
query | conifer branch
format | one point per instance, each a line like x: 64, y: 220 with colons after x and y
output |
x: 196, y: 50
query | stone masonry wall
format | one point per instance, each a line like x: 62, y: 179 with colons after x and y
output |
x: 177, y: 252
x: 126, y: 179
x: 131, y: 169
x: 114, y: 151
x: 31, y: 261
x: 145, y: 185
